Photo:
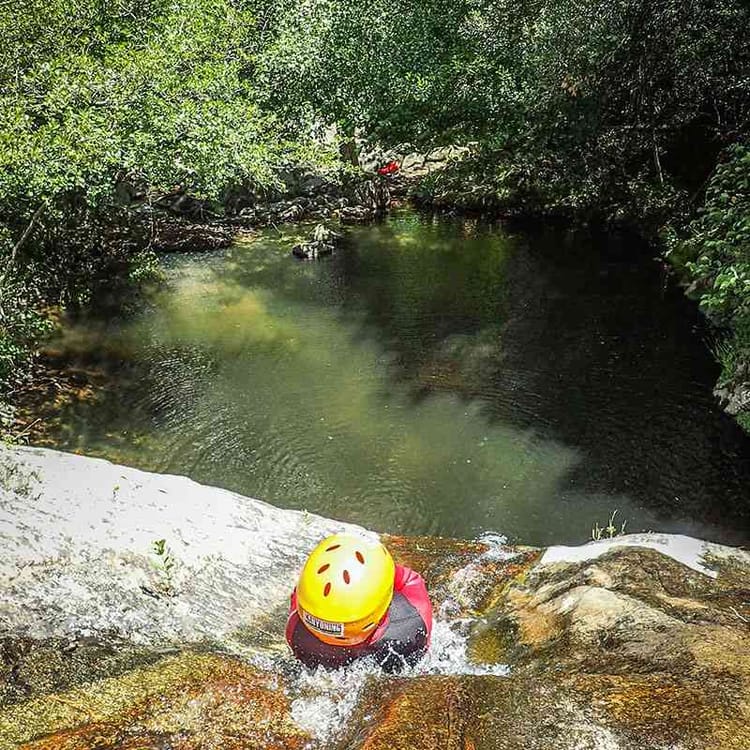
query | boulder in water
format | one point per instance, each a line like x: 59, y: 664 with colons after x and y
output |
x: 322, y: 242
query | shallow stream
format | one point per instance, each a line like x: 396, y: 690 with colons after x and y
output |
x: 434, y: 376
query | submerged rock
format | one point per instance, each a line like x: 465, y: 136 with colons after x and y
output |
x: 642, y: 641
x: 356, y: 214
x: 322, y: 242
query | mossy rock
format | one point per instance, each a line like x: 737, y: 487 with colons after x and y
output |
x: 187, y: 701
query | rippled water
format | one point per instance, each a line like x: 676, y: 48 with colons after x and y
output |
x: 433, y: 377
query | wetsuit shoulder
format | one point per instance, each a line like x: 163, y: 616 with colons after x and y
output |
x: 313, y: 652
x: 405, y: 637
x: 409, y: 583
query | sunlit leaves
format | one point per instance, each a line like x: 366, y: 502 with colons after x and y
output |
x: 719, y: 241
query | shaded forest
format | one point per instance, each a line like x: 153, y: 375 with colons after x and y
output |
x: 628, y: 112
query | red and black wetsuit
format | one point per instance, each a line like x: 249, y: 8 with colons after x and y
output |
x: 400, y: 639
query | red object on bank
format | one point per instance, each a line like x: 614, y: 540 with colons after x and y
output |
x: 390, y: 168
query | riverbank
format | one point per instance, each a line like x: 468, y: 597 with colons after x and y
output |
x: 151, y: 227
x: 35, y: 384
x: 626, y: 643
x: 446, y: 180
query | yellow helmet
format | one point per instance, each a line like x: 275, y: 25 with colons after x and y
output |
x: 345, y: 588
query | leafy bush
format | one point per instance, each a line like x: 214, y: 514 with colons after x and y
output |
x: 719, y: 239
x: 616, y: 107
x: 716, y: 255
x: 104, y: 107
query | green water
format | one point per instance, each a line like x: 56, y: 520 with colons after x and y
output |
x: 410, y: 383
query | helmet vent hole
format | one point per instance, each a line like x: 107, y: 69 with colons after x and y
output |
x: 323, y: 568
x: 332, y: 547
x: 327, y: 589
x: 369, y: 626
x: 360, y: 557
x: 347, y: 578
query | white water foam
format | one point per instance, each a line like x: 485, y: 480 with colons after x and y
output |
x: 323, y: 701
x: 448, y: 653
x: 497, y: 546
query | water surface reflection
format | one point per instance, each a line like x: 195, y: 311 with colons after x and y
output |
x: 433, y: 377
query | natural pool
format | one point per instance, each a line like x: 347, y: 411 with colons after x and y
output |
x: 435, y: 376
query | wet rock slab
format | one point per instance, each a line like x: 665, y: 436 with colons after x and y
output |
x: 186, y: 701
x: 630, y: 650
x: 633, y: 643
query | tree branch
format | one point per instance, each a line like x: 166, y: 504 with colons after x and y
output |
x: 16, y: 250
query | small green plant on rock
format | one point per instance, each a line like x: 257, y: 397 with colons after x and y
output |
x: 166, y: 565
x: 609, y: 531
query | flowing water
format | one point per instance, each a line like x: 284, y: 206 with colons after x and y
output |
x: 432, y: 377
x: 323, y: 702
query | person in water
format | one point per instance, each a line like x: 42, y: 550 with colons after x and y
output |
x: 353, y: 601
